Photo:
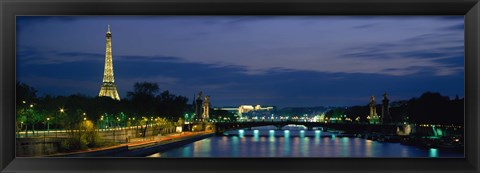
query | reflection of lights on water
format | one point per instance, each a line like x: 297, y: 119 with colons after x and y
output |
x: 302, y: 133
x: 333, y: 136
x: 368, y: 142
x: 433, y: 152
x: 271, y: 134
x: 241, y: 133
x: 286, y: 133
x: 317, y: 136
x: 155, y: 155
x: 255, y: 135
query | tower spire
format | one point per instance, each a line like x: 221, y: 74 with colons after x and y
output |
x: 108, y: 88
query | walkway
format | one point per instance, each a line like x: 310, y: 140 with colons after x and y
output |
x: 136, y: 143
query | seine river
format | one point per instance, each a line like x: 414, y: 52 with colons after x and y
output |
x: 296, y: 143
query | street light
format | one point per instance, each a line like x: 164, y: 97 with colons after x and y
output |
x: 48, y: 125
x: 21, y: 126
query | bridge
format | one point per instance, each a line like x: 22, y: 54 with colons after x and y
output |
x: 352, y: 128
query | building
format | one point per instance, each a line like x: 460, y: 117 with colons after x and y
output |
x: 249, y: 110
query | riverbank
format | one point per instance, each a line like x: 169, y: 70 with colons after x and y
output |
x: 141, y: 146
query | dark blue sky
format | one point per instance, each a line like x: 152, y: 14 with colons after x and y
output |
x: 268, y: 60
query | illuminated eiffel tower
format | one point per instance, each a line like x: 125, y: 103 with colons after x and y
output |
x: 108, y: 86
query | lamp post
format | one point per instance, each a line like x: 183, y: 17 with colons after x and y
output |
x: 56, y: 121
x: 48, y: 125
x: 31, y: 112
x: 21, y: 127
x: 101, y: 122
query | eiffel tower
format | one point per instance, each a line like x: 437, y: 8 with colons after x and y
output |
x: 108, y: 86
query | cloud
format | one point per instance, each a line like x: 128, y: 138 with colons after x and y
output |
x: 148, y: 58
x: 61, y: 86
x: 28, y: 55
x: 259, y: 44
x: 364, y: 26
x: 280, y: 60
x: 459, y: 27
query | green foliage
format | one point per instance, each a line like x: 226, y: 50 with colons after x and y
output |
x: 180, y: 122
x: 85, y: 137
x: 145, y: 100
x: 430, y: 108
x: 81, y: 116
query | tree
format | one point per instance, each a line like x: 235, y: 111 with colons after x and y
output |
x: 143, y: 97
x: 171, y: 105
x: 25, y: 94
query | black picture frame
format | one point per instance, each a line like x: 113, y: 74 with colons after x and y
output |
x: 11, y: 8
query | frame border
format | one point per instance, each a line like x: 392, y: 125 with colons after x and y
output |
x: 11, y: 8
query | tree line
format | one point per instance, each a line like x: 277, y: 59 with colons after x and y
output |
x: 145, y: 104
x: 429, y: 108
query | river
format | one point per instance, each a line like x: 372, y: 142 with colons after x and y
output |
x: 296, y: 143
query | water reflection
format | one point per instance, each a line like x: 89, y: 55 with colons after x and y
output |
x: 271, y: 136
x: 286, y: 142
x: 317, y: 137
x: 185, y: 152
x: 433, y: 152
x: 234, y: 145
x: 291, y: 143
x: 241, y: 133
x: 368, y: 148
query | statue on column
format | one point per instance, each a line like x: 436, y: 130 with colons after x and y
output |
x: 199, y: 96
x: 373, y: 111
x: 206, y: 107
x: 198, y: 106
x: 386, y: 118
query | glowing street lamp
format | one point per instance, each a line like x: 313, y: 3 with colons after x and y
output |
x: 48, y: 125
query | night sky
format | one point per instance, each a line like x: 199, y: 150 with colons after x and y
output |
x: 268, y: 60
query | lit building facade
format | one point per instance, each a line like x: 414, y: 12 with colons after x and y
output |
x: 249, y: 110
